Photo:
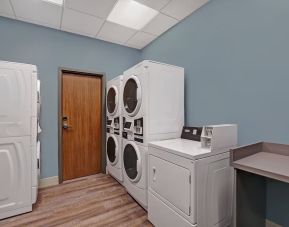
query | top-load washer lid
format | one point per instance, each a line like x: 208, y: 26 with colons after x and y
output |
x: 132, y: 96
x: 112, y: 100
x: 132, y: 161
x: 182, y: 147
x: 112, y: 149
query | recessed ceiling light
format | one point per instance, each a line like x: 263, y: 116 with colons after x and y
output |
x: 131, y: 14
x: 55, y: 2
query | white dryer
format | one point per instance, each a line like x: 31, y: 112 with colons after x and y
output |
x: 114, y: 128
x: 18, y: 138
x: 153, y: 102
x: 191, y: 182
x: 135, y: 170
x: 153, y: 109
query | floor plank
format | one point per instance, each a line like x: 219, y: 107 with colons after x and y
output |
x: 96, y: 200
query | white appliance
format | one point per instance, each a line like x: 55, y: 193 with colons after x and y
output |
x: 114, y: 128
x: 153, y: 109
x: 18, y: 138
x: 36, y: 175
x: 153, y: 102
x: 135, y: 170
x: 191, y: 182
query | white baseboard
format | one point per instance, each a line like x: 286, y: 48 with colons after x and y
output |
x: 271, y: 224
x: 49, y: 181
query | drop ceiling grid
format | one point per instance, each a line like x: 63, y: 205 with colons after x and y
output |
x: 77, y: 22
x: 89, y: 18
x: 38, y: 12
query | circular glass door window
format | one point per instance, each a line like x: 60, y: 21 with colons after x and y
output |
x: 111, y: 100
x: 111, y: 149
x: 130, y: 159
x: 130, y: 99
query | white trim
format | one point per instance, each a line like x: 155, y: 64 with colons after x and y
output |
x: 271, y: 224
x: 49, y: 181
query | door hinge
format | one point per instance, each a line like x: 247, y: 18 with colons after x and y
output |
x: 189, y: 210
x: 190, y: 179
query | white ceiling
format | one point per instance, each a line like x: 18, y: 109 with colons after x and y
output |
x: 88, y: 18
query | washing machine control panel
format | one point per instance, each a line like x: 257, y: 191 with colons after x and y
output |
x: 127, y: 130
x: 116, y: 126
x: 133, y: 129
x: 109, y: 128
x: 138, y: 130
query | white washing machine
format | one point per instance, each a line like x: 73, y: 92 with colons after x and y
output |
x: 114, y: 128
x: 135, y: 170
x: 114, y: 159
x: 191, y: 182
x: 18, y: 138
x: 153, y: 109
x: 153, y: 102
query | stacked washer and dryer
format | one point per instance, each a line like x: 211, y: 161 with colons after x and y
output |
x: 143, y: 105
x: 114, y: 128
x: 153, y: 109
x: 19, y: 137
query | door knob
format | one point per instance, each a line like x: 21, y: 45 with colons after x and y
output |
x: 65, y: 123
x: 65, y: 126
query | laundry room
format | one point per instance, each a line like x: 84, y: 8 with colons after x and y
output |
x: 144, y: 113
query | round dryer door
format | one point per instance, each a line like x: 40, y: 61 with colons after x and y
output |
x: 132, y: 162
x: 132, y: 96
x: 112, y: 149
x: 112, y: 100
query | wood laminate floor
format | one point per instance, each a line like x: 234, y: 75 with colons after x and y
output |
x: 96, y: 200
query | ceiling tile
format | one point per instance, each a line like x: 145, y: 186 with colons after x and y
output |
x: 83, y: 24
x: 115, y: 33
x: 6, y: 9
x: 160, y: 24
x: 155, y: 4
x: 180, y: 9
x: 99, y: 8
x: 140, y: 40
x: 39, y: 12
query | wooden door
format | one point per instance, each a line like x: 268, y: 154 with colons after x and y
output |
x: 81, y: 125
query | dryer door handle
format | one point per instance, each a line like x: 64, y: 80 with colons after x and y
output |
x: 154, y: 173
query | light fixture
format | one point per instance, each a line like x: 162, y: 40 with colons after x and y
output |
x: 55, y: 2
x: 131, y: 14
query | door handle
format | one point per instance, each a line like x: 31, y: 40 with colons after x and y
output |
x: 65, y: 123
x: 66, y: 126
x: 154, y: 173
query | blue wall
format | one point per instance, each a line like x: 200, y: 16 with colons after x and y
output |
x: 236, y: 57
x: 50, y: 49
